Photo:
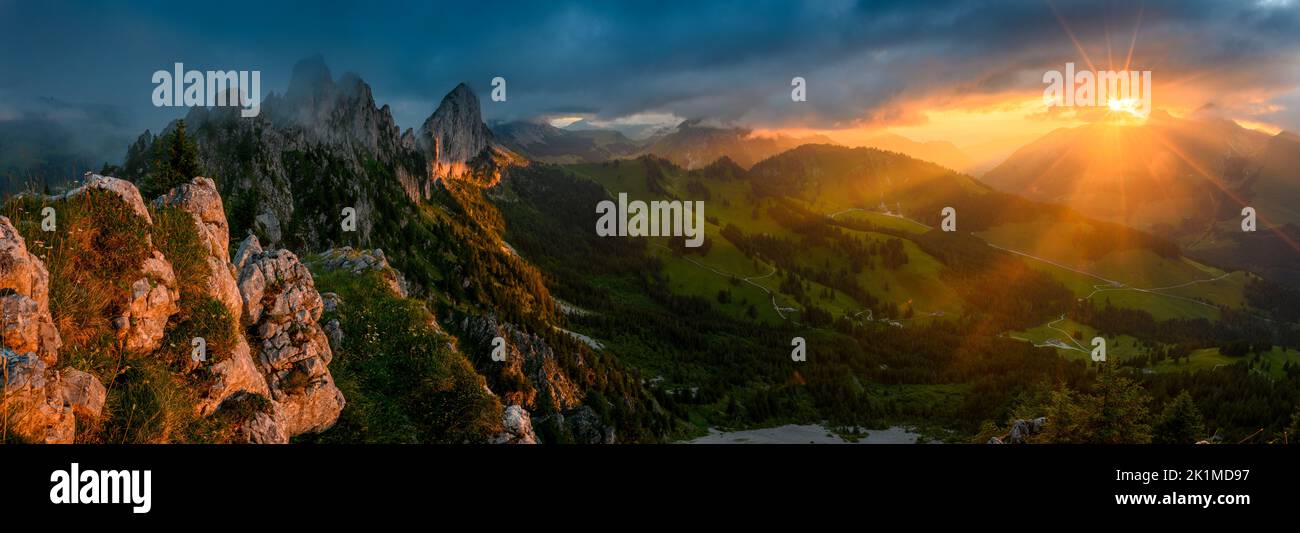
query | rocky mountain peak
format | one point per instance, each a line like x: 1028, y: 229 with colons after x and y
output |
x: 457, y: 142
x: 311, y: 78
x: 462, y: 92
x: 334, y: 112
x: 455, y: 131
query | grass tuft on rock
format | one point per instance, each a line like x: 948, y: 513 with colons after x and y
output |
x: 93, y: 256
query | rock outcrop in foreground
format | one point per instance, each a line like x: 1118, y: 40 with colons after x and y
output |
x: 281, y: 310
x: 40, y: 403
x: 201, y: 200
x: 272, y: 385
x: 266, y: 383
x: 236, y: 373
x: 154, y: 294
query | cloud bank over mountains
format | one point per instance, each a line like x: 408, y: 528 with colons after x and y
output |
x: 868, y: 64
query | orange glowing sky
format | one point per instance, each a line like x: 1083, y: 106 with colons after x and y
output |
x: 990, y: 125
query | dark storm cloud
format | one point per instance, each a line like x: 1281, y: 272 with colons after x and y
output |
x: 730, y: 61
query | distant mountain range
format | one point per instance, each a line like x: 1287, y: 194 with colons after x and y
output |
x: 690, y: 145
x: 694, y: 145
x: 541, y: 141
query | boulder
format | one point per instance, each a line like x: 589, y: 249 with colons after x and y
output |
x: 36, y: 411
x: 331, y: 301
x: 233, y: 375
x: 26, y: 328
x: 82, y: 392
x: 264, y: 428
x: 1020, y: 430
x: 254, y: 418
x: 334, y: 331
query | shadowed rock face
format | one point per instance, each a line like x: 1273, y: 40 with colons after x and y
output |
x: 327, y: 133
x: 527, y: 356
x: 516, y: 427
x: 43, y: 403
x: 264, y: 179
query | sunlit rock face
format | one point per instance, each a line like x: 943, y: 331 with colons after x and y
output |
x: 42, y: 403
x: 458, y: 145
x: 281, y: 310
x: 236, y: 373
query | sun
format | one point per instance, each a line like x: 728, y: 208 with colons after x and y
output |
x: 1130, y: 106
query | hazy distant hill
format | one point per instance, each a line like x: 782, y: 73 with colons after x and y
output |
x: 52, y: 142
x: 941, y: 152
x: 543, y: 142
x: 693, y: 145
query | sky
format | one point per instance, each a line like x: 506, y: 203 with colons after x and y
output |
x: 966, y: 72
